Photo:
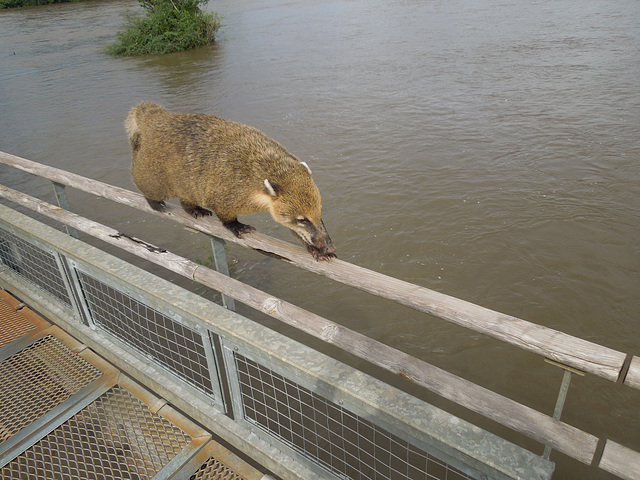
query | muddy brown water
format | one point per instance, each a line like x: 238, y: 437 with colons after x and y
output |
x: 487, y: 150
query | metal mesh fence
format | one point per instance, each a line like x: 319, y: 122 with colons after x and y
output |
x: 101, y: 441
x: 33, y: 264
x: 175, y: 346
x: 115, y: 437
x: 37, y: 379
x: 340, y: 441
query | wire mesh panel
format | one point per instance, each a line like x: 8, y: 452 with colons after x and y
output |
x: 340, y: 441
x: 33, y: 264
x: 37, y: 379
x: 115, y: 437
x: 172, y: 344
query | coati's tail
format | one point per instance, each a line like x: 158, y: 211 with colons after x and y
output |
x: 135, y: 117
x: 133, y: 132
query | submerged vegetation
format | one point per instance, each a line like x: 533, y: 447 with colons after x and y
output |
x: 168, y: 26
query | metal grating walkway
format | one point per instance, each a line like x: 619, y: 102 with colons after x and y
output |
x: 66, y: 413
x: 37, y: 379
x: 114, y: 435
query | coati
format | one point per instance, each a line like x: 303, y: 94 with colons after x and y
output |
x: 211, y: 164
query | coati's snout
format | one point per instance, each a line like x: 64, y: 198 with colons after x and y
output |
x: 315, y: 237
x: 297, y: 206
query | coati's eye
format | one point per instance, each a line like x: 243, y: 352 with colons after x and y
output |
x: 304, y: 221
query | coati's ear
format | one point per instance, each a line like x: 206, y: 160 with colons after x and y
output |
x: 272, y: 190
x: 304, y: 164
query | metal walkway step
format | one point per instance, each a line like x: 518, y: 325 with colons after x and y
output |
x: 67, y: 413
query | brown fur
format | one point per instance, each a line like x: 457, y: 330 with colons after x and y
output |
x: 211, y: 163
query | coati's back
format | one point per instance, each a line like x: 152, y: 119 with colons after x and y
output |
x: 166, y: 151
x: 198, y: 158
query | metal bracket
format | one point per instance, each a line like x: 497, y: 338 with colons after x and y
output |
x: 63, y: 202
x: 562, y: 394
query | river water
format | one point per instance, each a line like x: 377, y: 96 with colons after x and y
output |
x: 488, y: 150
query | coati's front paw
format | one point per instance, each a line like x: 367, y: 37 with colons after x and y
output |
x: 320, y: 255
x: 238, y: 228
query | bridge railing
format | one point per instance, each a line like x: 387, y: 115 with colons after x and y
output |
x: 570, y: 352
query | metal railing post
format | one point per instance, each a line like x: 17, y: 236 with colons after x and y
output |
x: 562, y: 396
x: 63, y: 202
x: 222, y: 266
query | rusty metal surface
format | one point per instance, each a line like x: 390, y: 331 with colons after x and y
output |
x: 214, y: 469
x: 37, y: 379
x: 116, y: 436
x: 17, y: 320
x: 12, y: 324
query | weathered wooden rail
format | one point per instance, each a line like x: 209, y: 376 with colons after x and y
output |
x: 577, y: 353
x: 560, y: 347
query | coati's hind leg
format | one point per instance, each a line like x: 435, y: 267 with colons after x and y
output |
x: 194, y: 210
x: 153, y: 193
x: 238, y: 228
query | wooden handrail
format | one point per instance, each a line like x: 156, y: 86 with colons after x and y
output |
x: 633, y: 375
x: 561, y: 347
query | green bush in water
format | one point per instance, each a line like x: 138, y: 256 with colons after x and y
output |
x: 169, y: 26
